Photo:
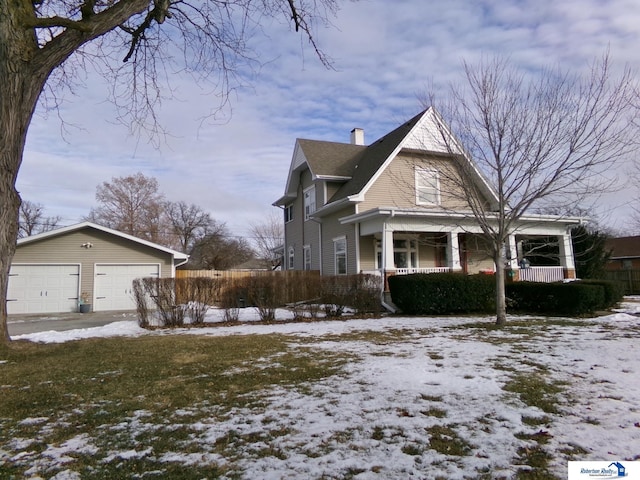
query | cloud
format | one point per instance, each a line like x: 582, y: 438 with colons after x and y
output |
x: 385, y: 55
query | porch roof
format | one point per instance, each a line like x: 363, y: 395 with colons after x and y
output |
x: 462, y: 221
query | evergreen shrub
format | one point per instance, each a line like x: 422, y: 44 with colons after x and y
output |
x: 568, y: 299
x: 443, y: 293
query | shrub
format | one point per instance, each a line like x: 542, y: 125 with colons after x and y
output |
x: 266, y: 294
x: 613, y: 291
x: 442, y: 293
x: 570, y: 299
x: 142, y: 300
x: 360, y: 292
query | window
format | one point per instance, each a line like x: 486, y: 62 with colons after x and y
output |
x: 306, y: 253
x: 427, y: 186
x: 290, y: 259
x: 309, y: 201
x: 405, y: 253
x: 288, y: 213
x: 340, y: 255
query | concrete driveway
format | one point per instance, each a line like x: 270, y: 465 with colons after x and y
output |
x: 21, y: 324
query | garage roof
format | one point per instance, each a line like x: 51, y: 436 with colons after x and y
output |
x: 179, y: 258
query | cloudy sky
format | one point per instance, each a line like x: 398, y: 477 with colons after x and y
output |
x: 386, y: 54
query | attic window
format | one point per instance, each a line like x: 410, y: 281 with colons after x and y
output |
x: 427, y: 186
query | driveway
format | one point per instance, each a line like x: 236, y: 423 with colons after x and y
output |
x: 21, y: 324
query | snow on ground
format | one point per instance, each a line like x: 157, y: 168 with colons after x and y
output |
x: 374, y: 420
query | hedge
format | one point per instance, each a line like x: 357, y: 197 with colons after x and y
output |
x: 568, y: 299
x: 456, y: 293
x: 442, y: 293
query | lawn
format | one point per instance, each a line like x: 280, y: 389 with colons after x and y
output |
x: 388, y: 398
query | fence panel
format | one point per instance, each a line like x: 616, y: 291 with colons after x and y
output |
x: 291, y: 280
x: 630, y: 279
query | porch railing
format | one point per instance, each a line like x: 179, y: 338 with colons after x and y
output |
x: 409, y: 271
x: 542, y: 274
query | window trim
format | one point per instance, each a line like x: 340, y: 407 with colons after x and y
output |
x: 290, y: 259
x: 309, y: 201
x: 412, y: 247
x: 420, y: 187
x: 337, y: 254
x: 288, y: 213
x: 306, y: 256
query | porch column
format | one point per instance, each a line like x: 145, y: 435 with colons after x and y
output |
x: 511, y: 254
x: 453, y: 252
x: 388, y: 262
x: 566, y: 256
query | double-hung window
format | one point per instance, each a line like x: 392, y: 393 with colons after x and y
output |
x: 306, y: 253
x: 288, y: 213
x: 309, y: 201
x: 290, y: 259
x: 340, y: 255
x: 427, y: 186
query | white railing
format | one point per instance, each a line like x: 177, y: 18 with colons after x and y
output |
x: 542, y: 274
x: 409, y: 271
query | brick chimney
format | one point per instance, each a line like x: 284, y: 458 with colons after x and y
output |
x: 357, y: 136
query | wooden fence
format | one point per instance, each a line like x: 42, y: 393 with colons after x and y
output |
x: 630, y: 279
x: 293, y: 284
x: 238, y: 274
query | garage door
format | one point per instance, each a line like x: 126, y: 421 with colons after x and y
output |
x: 113, y: 285
x: 43, y: 289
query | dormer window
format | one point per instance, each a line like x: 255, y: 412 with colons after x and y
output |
x: 309, y: 201
x: 427, y: 186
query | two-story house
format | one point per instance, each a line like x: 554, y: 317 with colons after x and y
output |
x: 395, y: 207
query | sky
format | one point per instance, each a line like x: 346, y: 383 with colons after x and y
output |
x: 400, y: 373
x: 385, y: 55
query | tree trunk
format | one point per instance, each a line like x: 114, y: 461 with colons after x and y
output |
x: 21, y: 87
x: 15, y: 113
x: 501, y: 303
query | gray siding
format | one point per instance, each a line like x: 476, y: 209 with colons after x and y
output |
x: 332, y: 228
x: 108, y: 249
x: 300, y: 232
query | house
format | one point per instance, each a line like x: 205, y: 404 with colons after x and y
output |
x: 389, y: 208
x: 51, y: 272
x: 625, y: 253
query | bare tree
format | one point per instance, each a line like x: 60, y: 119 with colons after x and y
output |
x: 267, y: 237
x: 189, y: 223
x: 132, y: 205
x: 539, y: 140
x: 219, y: 250
x: 33, y: 221
x: 209, y: 39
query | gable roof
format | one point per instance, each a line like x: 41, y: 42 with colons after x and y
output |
x: 84, y: 225
x: 375, y: 156
x: 359, y: 166
x: 624, y: 247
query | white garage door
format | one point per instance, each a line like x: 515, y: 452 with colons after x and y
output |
x: 43, y: 289
x: 114, y: 285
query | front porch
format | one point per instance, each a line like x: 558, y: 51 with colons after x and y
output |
x: 406, y: 253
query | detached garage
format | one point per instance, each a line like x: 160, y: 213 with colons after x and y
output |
x: 52, y: 271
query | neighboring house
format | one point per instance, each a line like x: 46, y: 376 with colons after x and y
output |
x: 625, y: 253
x: 52, y: 271
x: 351, y: 208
